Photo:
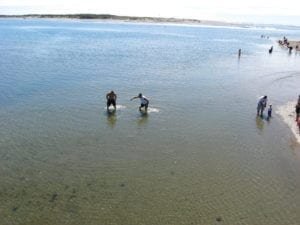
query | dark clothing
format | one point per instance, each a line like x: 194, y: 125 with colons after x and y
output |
x: 298, y: 109
x: 145, y: 105
x: 269, y: 113
x: 111, y: 102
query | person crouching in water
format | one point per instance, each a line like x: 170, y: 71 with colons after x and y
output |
x: 111, y: 98
x: 144, y: 101
x: 261, y: 105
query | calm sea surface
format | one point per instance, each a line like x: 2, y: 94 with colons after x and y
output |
x: 200, y: 156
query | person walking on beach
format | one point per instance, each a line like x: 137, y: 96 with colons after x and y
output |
x: 111, y: 98
x: 261, y: 105
x: 144, y: 101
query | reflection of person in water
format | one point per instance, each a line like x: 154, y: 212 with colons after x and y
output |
x: 143, y: 119
x: 111, y: 119
x: 259, y: 124
x: 111, y: 98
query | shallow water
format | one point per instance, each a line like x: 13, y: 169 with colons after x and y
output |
x: 200, y: 156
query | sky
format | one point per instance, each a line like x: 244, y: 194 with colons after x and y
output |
x: 249, y: 11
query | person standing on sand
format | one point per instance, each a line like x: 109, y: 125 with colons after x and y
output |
x: 111, y: 98
x: 261, y: 105
x: 144, y: 101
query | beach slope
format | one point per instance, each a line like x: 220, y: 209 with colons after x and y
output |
x: 288, y: 114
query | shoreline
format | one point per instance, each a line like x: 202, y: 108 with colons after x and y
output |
x: 147, y: 19
x: 288, y: 114
x: 134, y: 19
x: 108, y: 17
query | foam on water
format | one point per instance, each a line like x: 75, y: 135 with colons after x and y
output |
x: 153, y: 110
x: 288, y: 114
x: 119, y: 107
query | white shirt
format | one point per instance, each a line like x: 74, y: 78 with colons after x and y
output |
x: 144, y: 100
x: 262, y: 101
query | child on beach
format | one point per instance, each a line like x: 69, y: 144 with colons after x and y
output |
x: 269, y: 112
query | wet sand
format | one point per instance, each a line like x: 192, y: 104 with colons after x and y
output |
x: 288, y: 114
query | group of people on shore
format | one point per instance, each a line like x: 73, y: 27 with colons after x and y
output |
x: 111, y: 98
x: 285, y: 43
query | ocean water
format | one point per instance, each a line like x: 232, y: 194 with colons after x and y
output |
x: 200, y: 156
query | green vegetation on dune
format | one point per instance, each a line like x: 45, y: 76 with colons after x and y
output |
x: 101, y: 16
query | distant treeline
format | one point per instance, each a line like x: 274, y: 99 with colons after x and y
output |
x: 101, y: 16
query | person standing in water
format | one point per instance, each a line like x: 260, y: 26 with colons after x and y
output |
x: 111, y: 98
x: 144, y: 101
x: 269, y: 112
x: 261, y: 105
x: 271, y: 50
x: 239, y: 52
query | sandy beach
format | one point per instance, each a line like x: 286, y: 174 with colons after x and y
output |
x: 116, y: 18
x: 288, y: 114
x: 294, y: 44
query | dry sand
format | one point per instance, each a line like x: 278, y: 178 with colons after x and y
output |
x: 294, y: 44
